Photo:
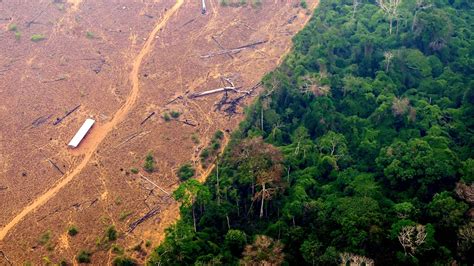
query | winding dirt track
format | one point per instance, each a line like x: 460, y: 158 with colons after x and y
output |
x: 101, y: 131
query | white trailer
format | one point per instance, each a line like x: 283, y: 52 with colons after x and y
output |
x: 81, y: 133
x: 204, y: 8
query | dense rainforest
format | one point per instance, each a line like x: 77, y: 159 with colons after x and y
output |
x: 360, y: 150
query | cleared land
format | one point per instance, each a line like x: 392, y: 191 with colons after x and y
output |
x: 121, y: 62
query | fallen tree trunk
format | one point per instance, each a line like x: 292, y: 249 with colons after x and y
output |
x: 189, y: 123
x: 147, y: 216
x: 204, y: 93
x: 234, y: 50
x: 220, y: 46
x: 40, y: 120
x: 146, y: 119
x: 58, y: 120
x: 153, y: 183
x: 2, y: 254
x: 132, y: 136
x: 55, y: 166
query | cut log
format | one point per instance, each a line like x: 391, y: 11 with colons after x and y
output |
x: 54, y: 80
x: 3, y: 255
x: 147, y: 216
x: 55, y: 166
x: 41, y: 120
x: 220, y: 46
x: 153, y: 183
x: 190, y: 21
x: 234, y: 50
x: 132, y: 136
x: 148, y: 117
x: 188, y: 122
x: 224, y: 89
x: 175, y: 99
x: 59, y: 120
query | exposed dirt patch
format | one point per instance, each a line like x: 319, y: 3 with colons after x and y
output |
x: 121, y: 62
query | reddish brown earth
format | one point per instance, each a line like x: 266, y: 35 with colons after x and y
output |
x: 142, y: 54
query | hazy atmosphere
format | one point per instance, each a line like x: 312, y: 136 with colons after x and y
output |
x: 237, y: 132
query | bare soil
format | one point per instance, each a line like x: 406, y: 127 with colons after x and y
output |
x: 120, y: 61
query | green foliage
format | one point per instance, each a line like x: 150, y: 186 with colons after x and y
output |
x: 218, y: 135
x: 134, y: 170
x: 72, y: 230
x: 303, y: 4
x: 375, y: 130
x: 185, y: 172
x: 17, y: 35
x: 124, y: 261
x: 37, y: 37
x: 44, y: 238
x: 12, y: 27
x: 166, y: 117
x: 84, y: 256
x: 175, y: 114
x: 148, y: 243
x: 111, y: 233
x: 124, y: 215
x: 446, y: 211
x: 149, y: 165
x: 235, y: 241
x: 90, y: 35
x: 116, y: 249
x: 195, y: 138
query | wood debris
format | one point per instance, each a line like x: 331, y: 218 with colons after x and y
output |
x: 132, y: 136
x: 234, y: 50
x: 41, y: 120
x: 148, y: 117
x: 3, y: 255
x: 55, y: 166
x: 142, y: 219
x: 60, y: 119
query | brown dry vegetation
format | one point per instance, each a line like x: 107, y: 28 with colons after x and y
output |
x: 121, y: 61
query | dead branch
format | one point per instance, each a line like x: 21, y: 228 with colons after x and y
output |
x: 220, y: 46
x: 234, y: 50
x: 190, y: 21
x: 98, y: 67
x: 153, y: 183
x: 188, y: 122
x: 228, y: 80
x: 94, y: 201
x: 2, y: 254
x: 132, y: 136
x: 59, y: 120
x: 175, y: 99
x: 292, y: 19
x: 147, y: 216
x: 55, y: 166
x: 41, y: 120
x: 205, y: 93
x: 54, y: 80
x: 33, y: 21
x: 222, y: 101
x: 146, y: 119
